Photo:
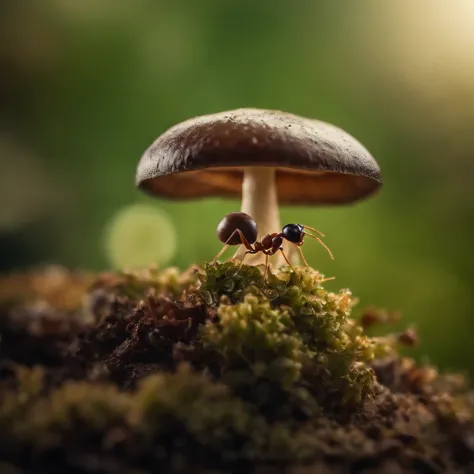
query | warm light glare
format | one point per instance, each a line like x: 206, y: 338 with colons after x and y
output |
x: 436, y: 34
x: 423, y: 53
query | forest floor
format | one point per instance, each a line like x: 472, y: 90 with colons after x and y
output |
x: 215, y: 370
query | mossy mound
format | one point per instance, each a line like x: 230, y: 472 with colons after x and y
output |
x: 214, y: 370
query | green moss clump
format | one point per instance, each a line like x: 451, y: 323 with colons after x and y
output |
x: 186, y: 409
x: 290, y: 333
x: 182, y: 418
x: 136, y: 284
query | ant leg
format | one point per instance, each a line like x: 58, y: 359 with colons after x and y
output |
x: 226, y: 245
x: 286, y: 259
x: 307, y: 266
x: 302, y: 256
x: 322, y: 243
x: 219, y: 254
x: 243, y: 258
x: 266, y: 268
x: 245, y: 243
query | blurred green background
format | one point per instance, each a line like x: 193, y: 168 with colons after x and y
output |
x: 87, y: 85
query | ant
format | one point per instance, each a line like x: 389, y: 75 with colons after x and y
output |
x: 238, y: 228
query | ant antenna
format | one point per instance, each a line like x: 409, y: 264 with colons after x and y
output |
x: 314, y: 230
x: 322, y: 243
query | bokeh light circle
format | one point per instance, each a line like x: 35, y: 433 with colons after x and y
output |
x: 138, y: 236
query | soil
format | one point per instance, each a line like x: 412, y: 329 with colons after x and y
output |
x: 80, y: 355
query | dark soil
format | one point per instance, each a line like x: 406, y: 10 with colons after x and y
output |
x: 110, y: 374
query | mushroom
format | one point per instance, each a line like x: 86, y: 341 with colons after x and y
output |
x: 264, y: 156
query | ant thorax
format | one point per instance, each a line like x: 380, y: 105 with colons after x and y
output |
x: 270, y: 242
x: 267, y: 241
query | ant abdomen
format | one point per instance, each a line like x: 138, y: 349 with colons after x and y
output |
x: 226, y: 230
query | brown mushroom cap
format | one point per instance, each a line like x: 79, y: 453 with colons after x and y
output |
x: 315, y: 162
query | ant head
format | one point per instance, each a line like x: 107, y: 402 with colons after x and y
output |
x: 293, y: 232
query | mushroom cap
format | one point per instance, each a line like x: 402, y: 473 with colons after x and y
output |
x: 315, y: 162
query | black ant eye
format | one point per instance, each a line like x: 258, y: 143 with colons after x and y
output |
x: 293, y: 232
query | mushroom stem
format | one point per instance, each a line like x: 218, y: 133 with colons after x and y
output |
x: 260, y: 201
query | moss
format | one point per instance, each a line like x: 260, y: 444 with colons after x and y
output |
x: 136, y: 284
x: 185, y: 410
x: 217, y: 369
x: 183, y: 417
x: 292, y: 333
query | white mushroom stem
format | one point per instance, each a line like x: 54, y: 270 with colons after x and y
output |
x: 260, y: 201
